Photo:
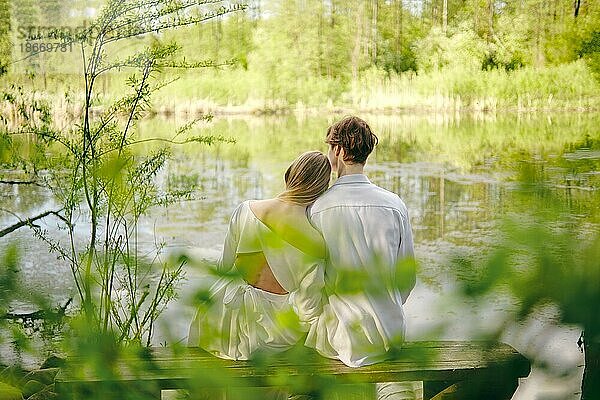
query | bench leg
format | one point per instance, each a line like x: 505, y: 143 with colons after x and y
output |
x: 432, y: 388
x: 473, y: 390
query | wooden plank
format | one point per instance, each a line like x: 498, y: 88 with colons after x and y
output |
x: 485, y: 366
x: 422, y: 361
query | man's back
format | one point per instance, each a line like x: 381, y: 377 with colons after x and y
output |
x: 367, y: 234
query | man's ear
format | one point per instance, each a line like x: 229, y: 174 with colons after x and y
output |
x: 339, y: 151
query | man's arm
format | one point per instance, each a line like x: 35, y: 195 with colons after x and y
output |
x: 406, y: 265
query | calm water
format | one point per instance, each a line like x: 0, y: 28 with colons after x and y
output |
x: 457, y: 175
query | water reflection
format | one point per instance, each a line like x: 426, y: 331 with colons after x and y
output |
x: 455, y: 173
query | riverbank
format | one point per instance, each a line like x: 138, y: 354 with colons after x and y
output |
x: 555, y: 89
x: 563, y: 88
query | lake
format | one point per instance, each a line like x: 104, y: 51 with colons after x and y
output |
x: 457, y: 173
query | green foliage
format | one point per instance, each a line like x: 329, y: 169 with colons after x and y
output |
x: 314, y: 53
x: 277, y: 51
x: 398, y: 31
x: 103, y: 185
x: 590, y: 50
x: 16, y: 384
x: 403, y: 61
x: 438, y: 50
x: 9, y: 392
x: 5, y: 40
x: 543, y: 256
x: 101, y: 179
x: 8, y: 278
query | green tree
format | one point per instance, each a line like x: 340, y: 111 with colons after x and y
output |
x: 590, y: 50
x: 398, y: 32
x: 290, y: 51
x: 5, y: 39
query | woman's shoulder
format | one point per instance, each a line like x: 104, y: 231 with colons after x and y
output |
x: 261, y: 207
x: 254, y: 206
x: 240, y: 215
x: 239, y: 209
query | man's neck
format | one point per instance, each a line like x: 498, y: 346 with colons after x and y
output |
x: 350, y: 169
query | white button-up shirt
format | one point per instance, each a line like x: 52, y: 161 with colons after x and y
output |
x: 370, y: 248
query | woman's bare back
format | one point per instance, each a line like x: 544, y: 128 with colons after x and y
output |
x: 289, y: 221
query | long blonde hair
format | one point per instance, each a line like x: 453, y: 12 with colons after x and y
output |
x: 307, y: 178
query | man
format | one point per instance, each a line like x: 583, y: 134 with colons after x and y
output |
x: 369, y: 272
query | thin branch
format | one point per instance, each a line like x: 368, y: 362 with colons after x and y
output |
x: 29, y: 222
x: 133, y: 314
x: 162, y: 289
x: 170, y: 64
x: 152, y: 17
x: 175, y: 24
x: 40, y: 314
x: 139, y: 95
x: 9, y: 182
x: 197, y: 64
x: 209, y: 140
x: 60, y: 139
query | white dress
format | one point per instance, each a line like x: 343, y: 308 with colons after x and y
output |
x: 241, y: 319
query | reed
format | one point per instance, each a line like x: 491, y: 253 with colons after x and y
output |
x: 236, y: 91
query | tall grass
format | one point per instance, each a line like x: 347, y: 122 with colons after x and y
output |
x: 565, y: 87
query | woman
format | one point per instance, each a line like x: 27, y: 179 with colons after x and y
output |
x: 271, y: 270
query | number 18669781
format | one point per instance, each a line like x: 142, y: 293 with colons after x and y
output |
x: 50, y: 47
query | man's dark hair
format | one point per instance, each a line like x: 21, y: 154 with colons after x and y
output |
x: 354, y: 136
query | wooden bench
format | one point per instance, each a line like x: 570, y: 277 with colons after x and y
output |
x: 481, y: 369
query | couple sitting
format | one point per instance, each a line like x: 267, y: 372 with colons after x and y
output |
x: 327, y: 265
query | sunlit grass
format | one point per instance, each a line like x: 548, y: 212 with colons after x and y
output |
x: 567, y: 86
x: 229, y: 90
